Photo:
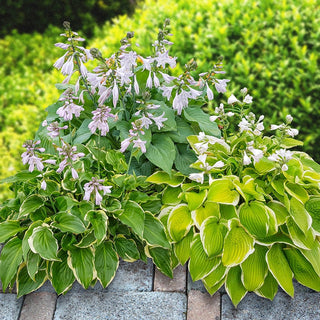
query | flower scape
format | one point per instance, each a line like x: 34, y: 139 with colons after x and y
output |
x: 135, y: 163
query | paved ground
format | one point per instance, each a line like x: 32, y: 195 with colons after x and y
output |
x: 138, y: 292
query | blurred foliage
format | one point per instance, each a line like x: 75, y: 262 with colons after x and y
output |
x: 271, y: 47
x: 33, y: 15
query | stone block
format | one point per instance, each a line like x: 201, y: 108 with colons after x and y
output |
x: 164, y: 283
x: 9, y: 306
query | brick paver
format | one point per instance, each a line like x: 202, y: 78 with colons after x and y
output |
x: 177, y: 284
x: 10, y: 306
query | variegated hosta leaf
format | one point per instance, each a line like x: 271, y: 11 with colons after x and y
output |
x: 182, y: 249
x: 255, y: 218
x: 106, y: 262
x: 67, y: 222
x: 171, y: 196
x: 210, y: 209
x: 43, y: 242
x: 223, y: 191
x: 62, y: 276
x: 200, y: 265
x: 179, y: 222
x: 304, y: 240
x: 300, y: 215
x: 215, y: 276
x: 162, y: 259
x: 126, y: 248
x: 234, y: 286
x: 302, y: 269
x: 161, y: 177
x: 9, y: 228
x: 27, y: 235
x: 99, y: 222
x: 254, y: 269
x: 238, y: 245
x: 269, y: 288
x: 81, y: 262
x: 296, y: 191
x: 31, y: 204
x: 280, y: 211
x: 216, y: 287
x: 313, y: 256
x: 280, y: 269
x: 33, y: 262
x: 195, y: 199
x: 212, y: 234
x: 228, y: 212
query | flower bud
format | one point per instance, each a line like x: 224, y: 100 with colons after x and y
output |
x: 166, y: 22
x: 66, y: 25
x: 96, y: 53
x: 146, y: 95
x: 130, y: 35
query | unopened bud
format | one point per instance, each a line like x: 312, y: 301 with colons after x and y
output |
x: 130, y: 35
x: 96, y: 53
x: 66, y: 25
x: 166, y: 21
x: 146, y: 95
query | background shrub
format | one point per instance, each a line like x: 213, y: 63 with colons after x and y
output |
x: 271, y: 47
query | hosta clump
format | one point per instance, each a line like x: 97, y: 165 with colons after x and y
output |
x: 249, y: 217
x: 84, y: 200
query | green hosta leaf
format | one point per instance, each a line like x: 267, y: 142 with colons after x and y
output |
x: 215, y: 276
x: 106, y: 262
x: 280, y: 211
x: 280, y: 269
x: 99, y: 221
x: 297, y: 191
x: 67, y: 222
x: 65, y: 203
x: 43, y: 242
x: 210, y: 209
x: 194, y: 199
x: 81, y: 262
x: 83, y: 133
x: 171, y: 195
x: 185, y: 156
x: 223, y: 191
x: 195, y: 114
x: 182, y: 249
x: 300, y: 215
x: 255, y: 218
x: 88, y: 240
x: 200, y: 264
x: 161, y: 152
x: 8, y: 229
x: 162, y: 259
x: 212, y: 234
x: 269, y: 288
x: 313, y: 256
x: 161, y: 177
x: 310, y: 163
x: 154, y: 232
x: 302, y: 269
x: 126, y: 248
x: 179, y: 222
x: 31, y: 204
x: 234, y: 286
x: 133, y: 216
x: 21, y: 176
x: 311, y: 176
x: 25, y: 284
x: 62, y: 276
x: 52, y: 188
x: 33, y: 264
x: 183, y: 131
x: 10, y: 259
x: 238, y: 245
x: 255, y: 269
x: 27, y: 235
x: 304, y: 240
x: 313, y: 207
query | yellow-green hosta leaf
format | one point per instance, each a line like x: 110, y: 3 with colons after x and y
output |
x: 106, y: 263
x: 273, y: 225
x: 43, y: 242
x: 280, y: 269
x: 304, y: 240
x: 99, y: 222
x: 171, y: 196
x: 280, y: 211
x: 194, y: 199
x: 9, y: 228
x: 269, y: 288
x: 311, y: 176
x: 296, y: 191
x: 10, y: 259
x: 295, y: 169
x: 238, y: 245
x: 302, y: 269
x: 264, y: 165
x: 62, y: 276
x: 200, y: 265
x: 228, y: 212
x: 313, y: 256
x: 278, y: 185
x: 234, y: 285
x: 179, y: 222
x: 215, y: 276
x: 161, y: 177
x: 81, y: 262
x: 300, y: 215
x: 182, y: 249
x: 216, y: 287
x: 255, y: 218
x: 313, y: 208
x: 212, y: 234
x: 210, y: 209
x: 255, y: 269
x: 223, y: 191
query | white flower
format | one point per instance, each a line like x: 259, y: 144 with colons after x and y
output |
x: 292, y: 132
x: 149, y: 81
x: 201, y: 147
x: 246, y: 159
x: 166, y: 91
x: 136, y: 85
x: 282, y: 156
x: 115, y: 94
x: 276, y: 127
x: 43, y: 185
x: 247, y: 99
x: 156, y: 81
x: 232, y: 99
x: 198, y: 177
x: 180, y: 101
x: 166, y: 77
x: 221, y: 85
x: 218, y: 164
x: 67, y: 68
x: 213, y: 118
x: 244, y: 91
x: 289, y: 119
x: 209, y: 92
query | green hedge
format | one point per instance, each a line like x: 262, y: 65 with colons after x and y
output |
x: 271, y: 47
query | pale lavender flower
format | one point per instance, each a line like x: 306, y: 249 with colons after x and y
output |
x: 164, y: 58
x: 59, y: 63
x: 140, y: 144
x: 67, y: 68
x: 158, y: 120
x: 209, y: 92
x: 145, y: 122
x: 54, y: 129
x: 167, y: 91
x: 100, y: 120
x: 221, y: 85
x: 149, y: 81
x: 156, y: 81
x: 95, y: 185
x: 43, y: 185
x: 68, y: 110
x: 29, y: 157
x: 35, y: 161
x: 180, y: 101
x: 125, y: 144
x: 232, y: 99
x: 115, y: 93
x: 166, y: 77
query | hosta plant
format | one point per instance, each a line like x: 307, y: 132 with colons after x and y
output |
x: 249, y: 217
x: 83, y: 201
